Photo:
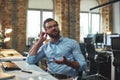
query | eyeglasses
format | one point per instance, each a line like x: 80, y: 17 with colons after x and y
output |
x: 55, y: 26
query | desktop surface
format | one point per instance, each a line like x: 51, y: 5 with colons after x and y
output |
x: 10, y: 54
x: 5, y: 76
x: 37, y: 72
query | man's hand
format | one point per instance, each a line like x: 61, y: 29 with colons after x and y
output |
x: 43, y: 36
x: 73, y: 64
x: 36, y: 46
x: 63, y: 61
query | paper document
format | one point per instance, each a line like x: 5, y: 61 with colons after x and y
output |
x: 12, y: 58
x: 5, y: 76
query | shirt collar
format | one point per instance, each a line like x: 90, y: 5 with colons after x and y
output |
x: 57, y: 41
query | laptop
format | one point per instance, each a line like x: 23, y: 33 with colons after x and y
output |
x: 9, y: 65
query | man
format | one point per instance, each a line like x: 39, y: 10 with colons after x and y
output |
x: 63, y: 55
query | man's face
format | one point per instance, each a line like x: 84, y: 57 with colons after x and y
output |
x: 52, y: 29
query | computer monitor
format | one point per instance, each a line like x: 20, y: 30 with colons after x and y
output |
x: 108, y: 38
x: 99, y: 38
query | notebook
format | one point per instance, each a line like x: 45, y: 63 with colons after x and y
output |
x: 5, y: 76
x: 10, y: 66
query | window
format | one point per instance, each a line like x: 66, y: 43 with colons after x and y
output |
x: 46, y: 15
x: 33, y: 23
x: 84, y: 19
x: 35, y: 20
x: 89, y: 24
x: 95, y: 23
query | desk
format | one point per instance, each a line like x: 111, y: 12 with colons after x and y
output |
x: 10, y: 54
x: 18, y: 59
x: 37, y: 72
x: 103, y: 50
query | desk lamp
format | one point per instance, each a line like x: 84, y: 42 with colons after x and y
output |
x: 7, y: 32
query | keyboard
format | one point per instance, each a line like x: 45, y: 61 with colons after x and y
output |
x: 8, y: 65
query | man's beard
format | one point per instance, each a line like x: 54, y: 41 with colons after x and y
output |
x: 56, y: 35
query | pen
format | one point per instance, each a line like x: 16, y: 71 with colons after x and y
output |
x: 26, y: 71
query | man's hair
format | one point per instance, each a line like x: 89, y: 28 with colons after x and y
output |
x: 48, y: 20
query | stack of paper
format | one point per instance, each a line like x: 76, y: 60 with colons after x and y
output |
x: 12, y: 58
x: 5, y: 76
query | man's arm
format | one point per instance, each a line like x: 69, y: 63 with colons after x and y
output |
x: 37, y: 45
x: 73, y: 64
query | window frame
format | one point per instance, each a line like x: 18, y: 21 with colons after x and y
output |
x: 41, y: 20
x: 90, y: 23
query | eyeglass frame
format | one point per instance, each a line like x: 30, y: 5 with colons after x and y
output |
x: 50, y: 27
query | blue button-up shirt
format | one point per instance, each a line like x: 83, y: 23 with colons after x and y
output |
x: 65, y: 46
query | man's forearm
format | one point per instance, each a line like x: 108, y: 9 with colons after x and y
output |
x: 35, y: 48
x: 73, y: 64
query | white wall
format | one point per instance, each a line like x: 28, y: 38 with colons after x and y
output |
x: 40, y: 4
x: 116, y: 17
x: 48, y: 4
x: 85, y: 5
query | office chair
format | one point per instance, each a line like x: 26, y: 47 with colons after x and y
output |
x: 115, y: 44
x: 97, y: 58
x: 88, y: 40
x: 116, y: 55
x: 90, y: 49
x: 83, y: 49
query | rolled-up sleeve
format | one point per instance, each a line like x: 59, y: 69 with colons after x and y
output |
x: 31, y: 59
x: 35, y: 58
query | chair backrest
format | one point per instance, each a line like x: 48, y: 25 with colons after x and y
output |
x: 116, y: 54
x: 115, y: 43
x: 116, y: 61
x: 88, y: 40
x: 83, y: 49
x: 90, y: 48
